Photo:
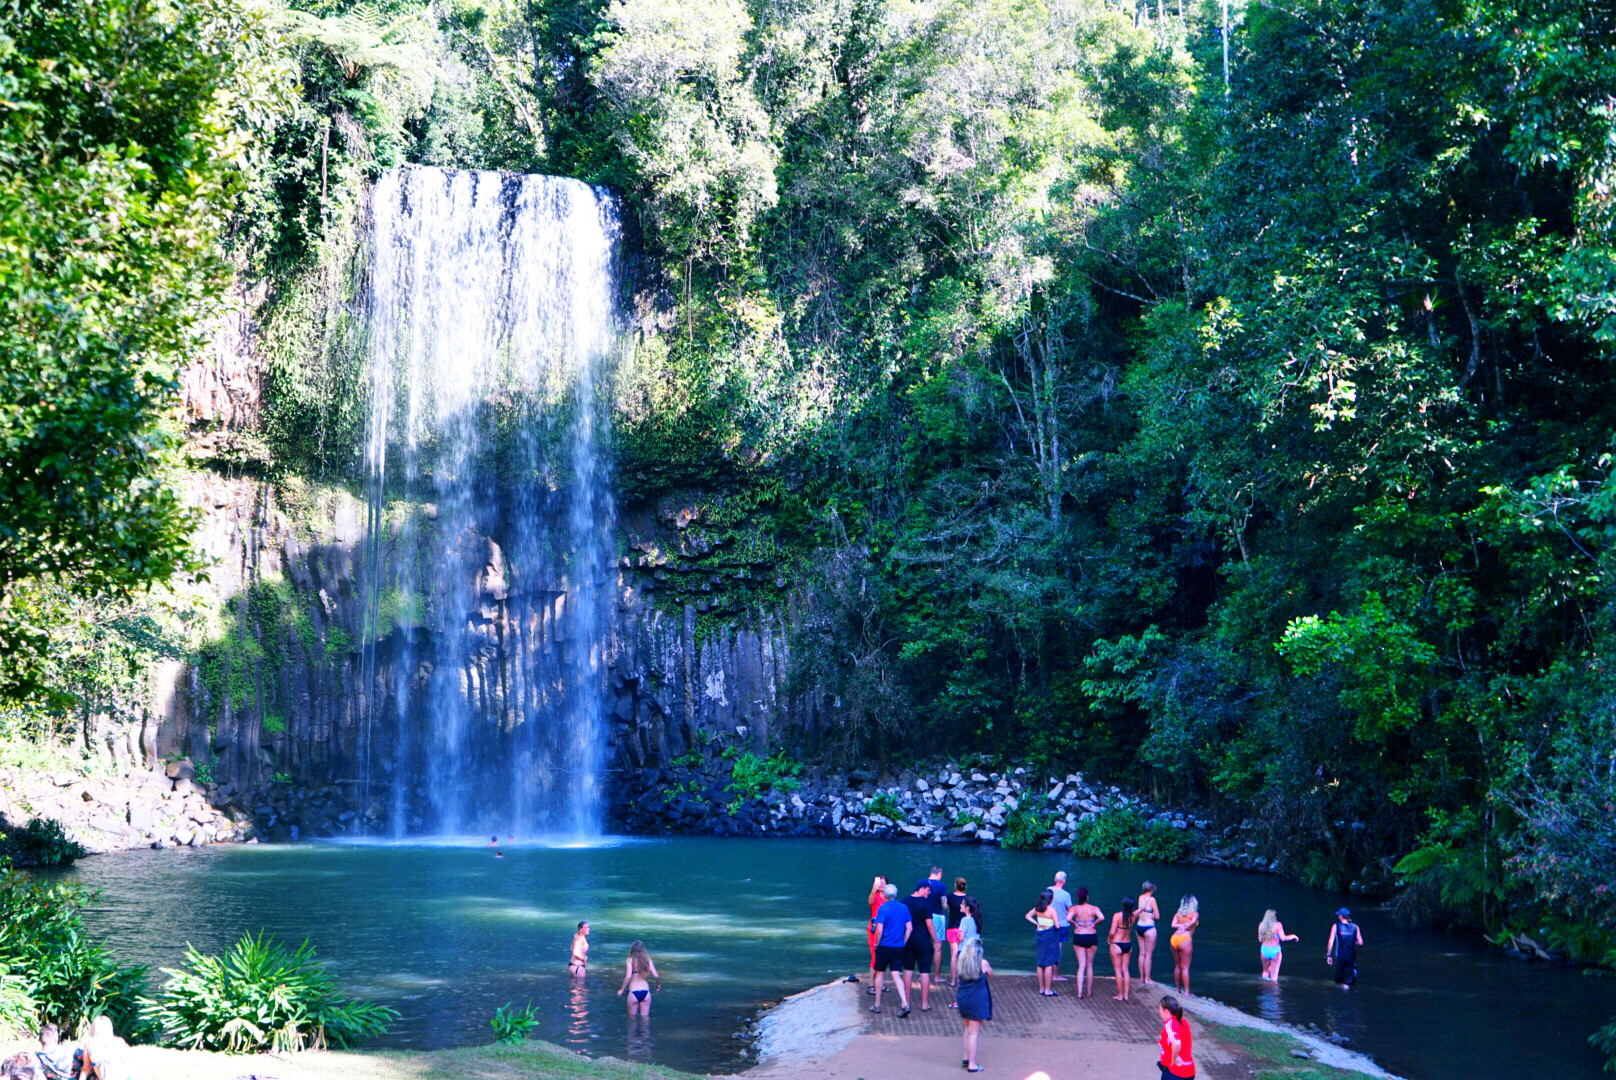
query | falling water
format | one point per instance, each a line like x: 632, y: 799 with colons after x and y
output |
x: 491, y: 321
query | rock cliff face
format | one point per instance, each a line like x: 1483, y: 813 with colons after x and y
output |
x: 293, y: 706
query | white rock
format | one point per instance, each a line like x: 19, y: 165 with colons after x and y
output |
x: 922, y: 784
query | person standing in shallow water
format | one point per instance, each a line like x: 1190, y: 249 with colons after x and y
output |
x: 578, y: 964
x: 638, y: 976
x: 1271, y: 937
x: 1346, y: 937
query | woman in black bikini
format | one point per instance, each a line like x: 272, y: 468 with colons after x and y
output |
x: 637, y: 979
x: 579, y: 963
x: 1145, y: 926
x: 1085, y: 919
x: 1121, y: 940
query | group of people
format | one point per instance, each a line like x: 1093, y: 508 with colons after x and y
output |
x: 906, y: 938
x: 1059, y: 916
x: 99, y: 1058
x: 640, y: 975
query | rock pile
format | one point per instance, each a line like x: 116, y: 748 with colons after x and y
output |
x: 163, y: 807
x: 950, y: 803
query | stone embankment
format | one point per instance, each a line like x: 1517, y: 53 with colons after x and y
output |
x: 949, y: 803
x: 162, y: 807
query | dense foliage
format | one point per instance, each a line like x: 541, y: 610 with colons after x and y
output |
x: 48, y: 959
x: 120, y: 128
x: 260, y: 997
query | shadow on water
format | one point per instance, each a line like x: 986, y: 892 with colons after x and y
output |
x: 447, y: 934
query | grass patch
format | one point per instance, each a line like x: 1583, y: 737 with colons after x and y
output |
x: 526, y: 1061
x: 1269, y: 1054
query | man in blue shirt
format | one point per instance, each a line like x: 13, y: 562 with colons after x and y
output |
x: 892, y: 922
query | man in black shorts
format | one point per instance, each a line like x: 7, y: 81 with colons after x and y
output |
x: 917, y: 957
x: 892, y: 922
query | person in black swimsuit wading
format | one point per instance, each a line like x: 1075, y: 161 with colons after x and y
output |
x: 1342, y: 950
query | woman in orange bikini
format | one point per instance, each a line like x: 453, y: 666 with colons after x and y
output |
x: 1183, y: 941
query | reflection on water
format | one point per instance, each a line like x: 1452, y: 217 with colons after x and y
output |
x: 577, y: 1014
x: 639, y: 1038
x: 447, y: 934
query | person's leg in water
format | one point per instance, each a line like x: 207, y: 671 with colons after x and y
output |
x: 973, y: 1028
x: 1279, y: 958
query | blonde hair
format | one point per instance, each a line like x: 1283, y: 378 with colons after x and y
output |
x: 1265, y: 929
x: 970, y: 958
x: 1189, y: 904
x: 639, y: 959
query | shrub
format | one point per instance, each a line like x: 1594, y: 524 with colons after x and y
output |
x: 1125, y: 834
x: 511, y: 1024
x: 69, y: 977
x: 751, y: 775
x: 44, y: 843
x: 884, y: 805
x: 1026, y: 828
x: 19, y: 1012
x: 260, y: 997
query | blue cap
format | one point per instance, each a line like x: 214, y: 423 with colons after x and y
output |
x: 927, y: 883
x: 1344, y: 913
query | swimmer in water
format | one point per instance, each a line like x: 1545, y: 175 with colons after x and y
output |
x: 1271, y: 936
x: 638, y: 976
x: 579, y: 963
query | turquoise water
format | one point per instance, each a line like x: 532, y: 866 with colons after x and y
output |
x: 447, y: 934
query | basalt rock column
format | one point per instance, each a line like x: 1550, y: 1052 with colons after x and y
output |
x: 490, y: 310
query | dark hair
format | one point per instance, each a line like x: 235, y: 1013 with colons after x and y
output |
x: 1170, y: 1003
x: 1082, y: 895
x: 583, y: 923
x: 973, y: 909
x: 1045, y: 898
x: 959, y: 884
x: 1127, y: 910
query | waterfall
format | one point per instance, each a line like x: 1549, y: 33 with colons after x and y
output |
x: 491, y: 319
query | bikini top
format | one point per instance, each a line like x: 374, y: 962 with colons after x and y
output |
x: 1045, y: 921
x: 1086, y: 923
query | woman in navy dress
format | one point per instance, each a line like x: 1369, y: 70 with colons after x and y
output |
x: 974, y: 998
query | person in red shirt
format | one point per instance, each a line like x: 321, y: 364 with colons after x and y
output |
x: 1176, y: 1062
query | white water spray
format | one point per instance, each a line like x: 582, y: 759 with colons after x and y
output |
x: 491, y: 320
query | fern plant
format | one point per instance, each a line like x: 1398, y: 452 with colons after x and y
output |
x: 511, y: 1024
x: 1026, y: 828
x: 260, y: 997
